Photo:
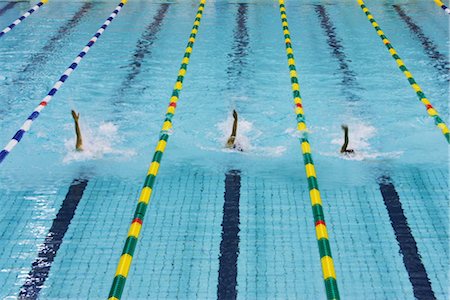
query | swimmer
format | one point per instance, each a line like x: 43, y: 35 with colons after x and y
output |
x: 344, y: 147
x: 79, y: 145
x: 231, y: 140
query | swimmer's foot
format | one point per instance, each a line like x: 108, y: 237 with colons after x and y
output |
x: 75, y: 116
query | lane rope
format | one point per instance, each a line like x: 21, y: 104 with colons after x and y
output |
x: 432, y: 112
x: 442, y: 5
x: 23, y: 17
x: 329, y: 274
x: 126, y: 257
x: 46, y: 100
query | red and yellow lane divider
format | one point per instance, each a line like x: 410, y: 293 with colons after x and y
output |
x: 146, y: 192
x: 22, y: 17
x: 442, y: 5
x: 326, y: 259
x: 432, y: 112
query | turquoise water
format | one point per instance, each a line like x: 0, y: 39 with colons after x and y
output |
x: 177, y: 256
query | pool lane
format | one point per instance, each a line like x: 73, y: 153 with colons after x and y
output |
x: 37, y: 111
x: 49, y: 50
x: 33, y: 69
x: 41, y: 58
x: 412, y: 268
x: 238, y: 56
x: 7, y: 7
x: 408, y: 247
x: 349, y: 80
x: 143, y: 49
x: 40, y: 268
x: 184, y: 238
x: 229, y: 246
x: 22, y: 17
x: 326, y: 258
x: 423, y: 194
x: 126, y: 257
x: 438, y: 60
x: 432, y: 112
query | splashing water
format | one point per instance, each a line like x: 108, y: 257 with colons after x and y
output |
x: 245, y: 137
x: 359, y: 137
x: 98, y: 141
x: 245, y: 128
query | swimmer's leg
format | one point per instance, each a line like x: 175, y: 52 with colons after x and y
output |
x: 344, y: 146
x: 79, y: 145
x: 232, y: 138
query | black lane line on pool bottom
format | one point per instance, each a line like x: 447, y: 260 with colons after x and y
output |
x: 143, y: 48
x: 41, y: 266
x: 439, y: 60
x: 335, y: 44
x: 229, y: 246
x: 408, y: 247
x: 7, y: 7
x: 42, y: 57
x: 240, y: 47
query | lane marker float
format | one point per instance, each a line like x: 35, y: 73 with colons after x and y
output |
x: 23, y: 17
x: 326, y: 259
x: 432, y: 112
x: 126, y: 258
x: 442, y: 5
x: 46, y: 100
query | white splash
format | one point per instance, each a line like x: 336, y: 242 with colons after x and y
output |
x: 98, y: 141
x: 359, y: 140
x: 246, y: 134
x: 294, y: 132
x: 358, y: 134
x: 244, y: 129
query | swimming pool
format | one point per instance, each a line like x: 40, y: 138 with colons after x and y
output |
x: 205, y: 196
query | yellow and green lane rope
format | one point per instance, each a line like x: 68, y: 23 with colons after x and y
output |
x: 146, y: 192
x: 326, y: 259
x: 432, y: 112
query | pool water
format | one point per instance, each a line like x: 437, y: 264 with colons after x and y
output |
x: 83, y: 202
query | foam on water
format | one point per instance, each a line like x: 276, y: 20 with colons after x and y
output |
x: 98, y: 140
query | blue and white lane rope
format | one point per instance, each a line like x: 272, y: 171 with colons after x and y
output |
x: 26, y: 126
x: 23, y: 17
